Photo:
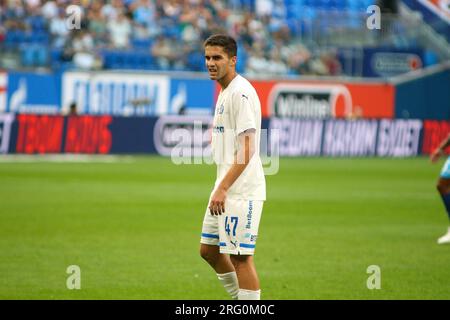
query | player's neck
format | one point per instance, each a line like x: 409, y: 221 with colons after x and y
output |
x: 225, y: 81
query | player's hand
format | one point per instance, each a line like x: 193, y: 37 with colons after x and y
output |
x: 436, y: 155
x: 217, y: 203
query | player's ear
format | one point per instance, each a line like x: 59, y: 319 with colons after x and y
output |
x: 233, y: 61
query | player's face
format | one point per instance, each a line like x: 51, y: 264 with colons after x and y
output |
x: 218, y: 63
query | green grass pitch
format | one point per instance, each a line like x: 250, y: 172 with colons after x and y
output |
x: 133, y: 227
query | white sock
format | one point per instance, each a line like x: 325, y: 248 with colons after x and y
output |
x: 230, y: 283
x: 245, y: 294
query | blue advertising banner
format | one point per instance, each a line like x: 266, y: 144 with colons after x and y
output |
x: 191, y: 96
x: 424, y: 97
x: 33, y: 93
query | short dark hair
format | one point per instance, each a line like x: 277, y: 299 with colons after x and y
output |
x: 222, y: 40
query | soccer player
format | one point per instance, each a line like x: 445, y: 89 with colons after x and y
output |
x: 230, y: 225
x: 443, y: 185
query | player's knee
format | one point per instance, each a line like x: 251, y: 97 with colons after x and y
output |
x: 241, y: 260
x: 204, y: 253
x: 207, y: 254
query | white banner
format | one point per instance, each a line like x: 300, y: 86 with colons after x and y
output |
x: 116, y: 93
x: 3, y: 91
x: 6, y: 121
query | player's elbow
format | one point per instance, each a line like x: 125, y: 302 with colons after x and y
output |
x: 245, y: 155
x: 248, y: 147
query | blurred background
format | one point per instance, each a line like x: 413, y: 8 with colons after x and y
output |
x: 276, y: 37
x: 140, y: 60
x: 363, y: 80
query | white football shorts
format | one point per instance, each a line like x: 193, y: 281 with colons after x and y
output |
x: 236, y: 230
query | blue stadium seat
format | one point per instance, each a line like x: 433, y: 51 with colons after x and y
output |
x: 33, y: 55
x: 195, y: 61
x: 142, y: 44
x: 37, y: 23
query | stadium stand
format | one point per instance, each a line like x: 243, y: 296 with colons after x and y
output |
x: 279, y: 37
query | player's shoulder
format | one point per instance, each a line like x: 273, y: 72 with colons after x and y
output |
x: 242, y: 88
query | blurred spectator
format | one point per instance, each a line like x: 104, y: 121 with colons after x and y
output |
x: 15, y: 15
x: 97, y: 24
x: 297, y: 57
x: 168, y: 53
x: 277, y: 66
x: 257, y: 64
x: 263, y: 7
x: 59, y: 30
x: 332, y: 64
x: 111, y: 10
x: 49, y: 10
x: 120, y: 31
x: 81, y: 51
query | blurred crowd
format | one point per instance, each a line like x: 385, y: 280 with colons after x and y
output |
x: 172, y: 32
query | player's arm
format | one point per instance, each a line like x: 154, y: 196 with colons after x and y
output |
x: 440, y: 150
x: 242, y: 158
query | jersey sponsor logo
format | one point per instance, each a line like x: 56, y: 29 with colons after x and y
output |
x: 221, y: 109
x: 218, y: 129
x: 307, y: 101
x: 249, y: 215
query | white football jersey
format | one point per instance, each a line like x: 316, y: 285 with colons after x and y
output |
x: 238, y: 109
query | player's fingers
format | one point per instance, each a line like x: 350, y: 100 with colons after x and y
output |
x: 213, y: 208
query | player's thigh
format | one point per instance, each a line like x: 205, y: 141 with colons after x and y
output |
x: 210, y: 229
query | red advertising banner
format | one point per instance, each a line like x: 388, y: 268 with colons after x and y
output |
x: 88, y: 134
x: 320, y: 99
x: 434, y: 132
x: 80, y: 134
x: 39, y: 134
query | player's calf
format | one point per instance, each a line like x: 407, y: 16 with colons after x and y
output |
x: 224, y: 268
x: 247, y: 277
